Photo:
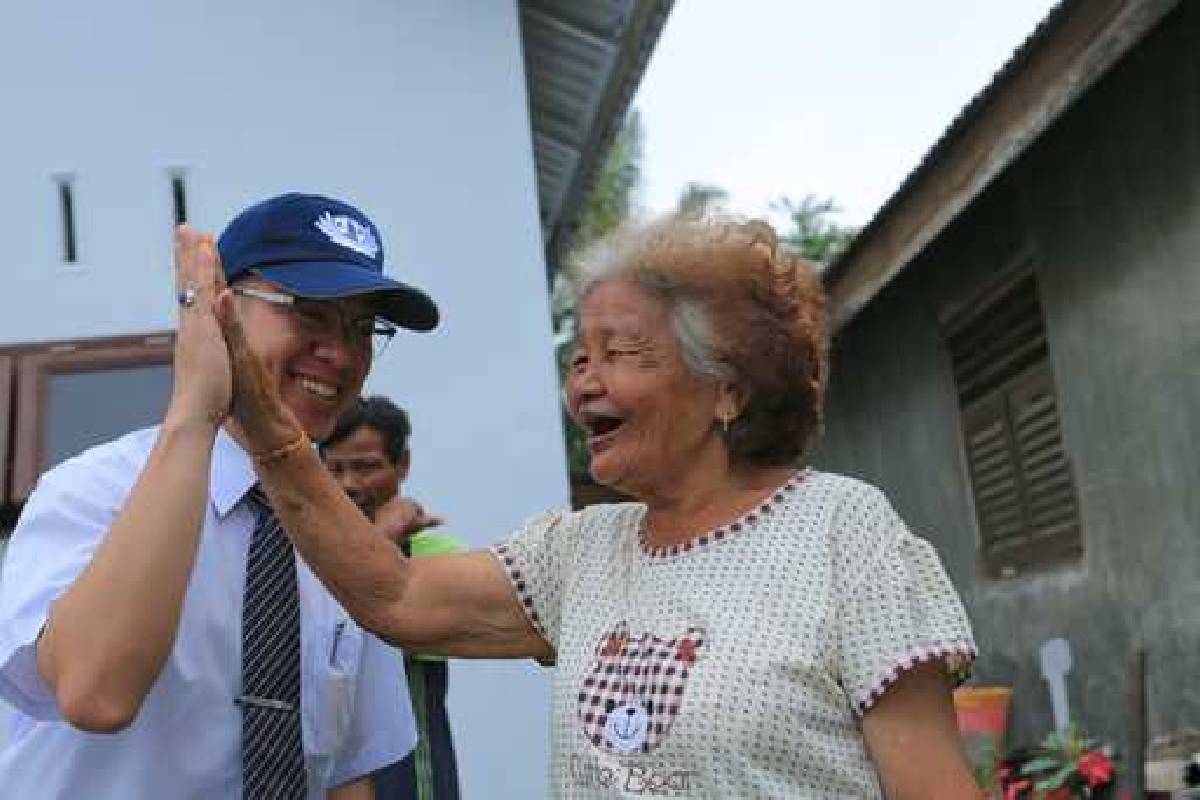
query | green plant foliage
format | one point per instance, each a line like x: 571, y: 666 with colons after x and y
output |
x: 700, y: 199
x: 1064, y: 766
x: 812, y: 234
x: 611, y: 202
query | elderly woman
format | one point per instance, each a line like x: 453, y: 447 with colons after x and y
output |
x: 750, y: 627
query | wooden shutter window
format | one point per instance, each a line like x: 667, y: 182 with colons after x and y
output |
x: 998, y: 505
x: 1052, y: 511
x: 1001, y: 340
x: 1025, y: 501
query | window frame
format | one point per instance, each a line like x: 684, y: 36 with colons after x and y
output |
x: 33, y: 367
x: 1037, y: 551
x: 68, y: 219
x: 177, y: 179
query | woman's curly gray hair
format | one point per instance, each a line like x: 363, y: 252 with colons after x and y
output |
x: 743, y: 312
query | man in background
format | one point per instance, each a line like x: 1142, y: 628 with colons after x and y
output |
x: 368, y: 455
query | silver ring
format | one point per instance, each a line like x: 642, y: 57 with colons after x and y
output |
x: 187, y: 296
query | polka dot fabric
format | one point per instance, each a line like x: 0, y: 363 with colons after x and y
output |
x: 538, y: 568
x: 780, y: 629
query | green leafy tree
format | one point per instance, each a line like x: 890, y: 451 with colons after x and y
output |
x: 698, y: 199
x: 612, y: 201
x: 811, y: 232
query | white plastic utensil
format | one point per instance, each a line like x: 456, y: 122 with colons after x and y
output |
x: 1056, y: 664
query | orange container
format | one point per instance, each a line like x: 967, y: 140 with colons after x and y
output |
x: 982, y: 709
x: 982, y: 713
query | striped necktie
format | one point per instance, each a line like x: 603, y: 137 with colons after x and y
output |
x: 272, y: 751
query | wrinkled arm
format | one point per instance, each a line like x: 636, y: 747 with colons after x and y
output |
x: 459, y: 605
x: 912, y: 737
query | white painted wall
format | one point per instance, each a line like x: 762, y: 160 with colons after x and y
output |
x: 416, y: 111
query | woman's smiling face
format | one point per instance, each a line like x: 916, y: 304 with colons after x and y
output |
x: 647, y: 418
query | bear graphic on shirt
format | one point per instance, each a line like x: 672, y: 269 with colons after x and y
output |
x: 635, y: 688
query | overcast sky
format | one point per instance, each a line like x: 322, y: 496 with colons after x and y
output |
x: 772, y: 97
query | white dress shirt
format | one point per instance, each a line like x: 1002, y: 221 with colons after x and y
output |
x: 185, y: 742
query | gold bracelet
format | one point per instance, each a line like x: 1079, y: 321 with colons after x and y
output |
x: 264, y: 459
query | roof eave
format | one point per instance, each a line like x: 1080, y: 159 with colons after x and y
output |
x: 1077, y: 43
x: 561, y: 204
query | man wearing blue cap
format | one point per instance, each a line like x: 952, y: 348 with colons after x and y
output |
x: 158, y: 635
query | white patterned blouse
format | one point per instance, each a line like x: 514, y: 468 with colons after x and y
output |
x: 738, y: 664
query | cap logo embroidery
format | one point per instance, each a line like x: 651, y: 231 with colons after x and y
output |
x: 349, y: 233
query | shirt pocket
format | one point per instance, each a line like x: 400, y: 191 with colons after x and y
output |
x: 335, y: 679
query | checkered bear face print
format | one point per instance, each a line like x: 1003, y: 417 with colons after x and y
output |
x: 635, y: 689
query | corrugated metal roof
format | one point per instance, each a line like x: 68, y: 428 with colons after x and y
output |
x: 583, y: 61
x: 960, y: 121
x: 1133, y: 19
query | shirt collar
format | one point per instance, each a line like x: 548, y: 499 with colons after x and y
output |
x: 232, y: 473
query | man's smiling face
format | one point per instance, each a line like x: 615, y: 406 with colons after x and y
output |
x: 318, y: 368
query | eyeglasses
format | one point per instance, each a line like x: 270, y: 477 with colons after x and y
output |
x: 318, y: 317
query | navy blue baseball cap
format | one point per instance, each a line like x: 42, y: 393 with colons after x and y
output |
x: 320, y: 248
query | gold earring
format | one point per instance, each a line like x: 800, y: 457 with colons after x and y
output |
x: 725, y: 420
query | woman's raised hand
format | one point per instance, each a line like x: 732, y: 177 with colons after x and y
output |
x: 202, y: 376
x: 258, y: 409
x: 402, y: 517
